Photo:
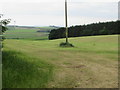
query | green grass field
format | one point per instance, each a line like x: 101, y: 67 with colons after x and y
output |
x: 92, y: 63
x: 25, y: 33
x: 48, y: 28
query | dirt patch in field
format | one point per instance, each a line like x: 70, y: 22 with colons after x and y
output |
x: 78, y: 66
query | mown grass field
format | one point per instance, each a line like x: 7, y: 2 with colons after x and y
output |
x: 47, y: 27
x: 92, y: 63
x: 26, y: 33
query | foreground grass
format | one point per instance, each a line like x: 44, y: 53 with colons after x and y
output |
x: 93, y: 63
x: 21, y: 71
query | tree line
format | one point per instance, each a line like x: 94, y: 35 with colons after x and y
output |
x: 101, y: 28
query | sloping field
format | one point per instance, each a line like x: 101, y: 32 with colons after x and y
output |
x: 92, y: 63
x: 25, y: 33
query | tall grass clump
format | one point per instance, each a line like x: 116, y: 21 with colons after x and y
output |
x: 21, y: 71
x: 64, y: 44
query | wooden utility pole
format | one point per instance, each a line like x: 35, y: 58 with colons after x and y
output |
x: 66, y: 21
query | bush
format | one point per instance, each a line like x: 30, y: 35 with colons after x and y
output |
x: 64, y: 44
x: 2, y: 38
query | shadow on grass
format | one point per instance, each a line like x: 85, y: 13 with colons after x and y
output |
x: 20, y: 71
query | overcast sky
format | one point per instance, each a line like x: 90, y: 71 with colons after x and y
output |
x: 51, y: 12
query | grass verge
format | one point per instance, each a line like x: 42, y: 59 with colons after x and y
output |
x: 21, y: 71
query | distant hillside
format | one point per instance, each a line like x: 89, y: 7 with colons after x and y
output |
x: 28, y: 32
x: 48, y: 28
x: 45, y: 28
x: 12, y: 26
x: 101, y: 28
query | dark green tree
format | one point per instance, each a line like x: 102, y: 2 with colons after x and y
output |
x: 3, y: 24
